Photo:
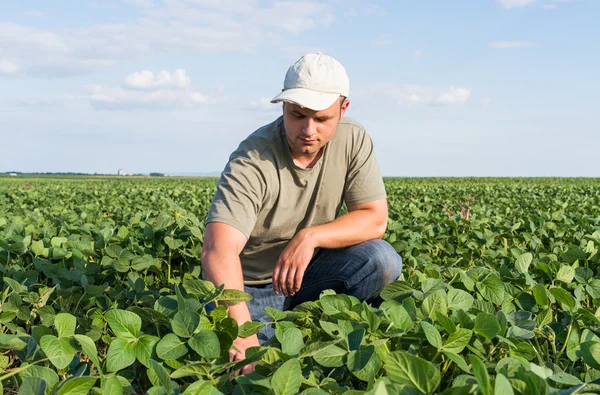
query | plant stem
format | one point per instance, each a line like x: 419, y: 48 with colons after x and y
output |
x: 446, y: 366
x: 169, y: 267
x: 79, y: 301
x: 537, y: 351
x: 566, y: 342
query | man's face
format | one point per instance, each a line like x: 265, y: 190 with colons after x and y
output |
x: 308, y: 131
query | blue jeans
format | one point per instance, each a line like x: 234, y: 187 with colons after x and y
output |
x: 361, y: 270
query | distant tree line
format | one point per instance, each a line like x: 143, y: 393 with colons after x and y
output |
x: 72, y: 174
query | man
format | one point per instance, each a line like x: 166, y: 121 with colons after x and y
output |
x: 273, y: 228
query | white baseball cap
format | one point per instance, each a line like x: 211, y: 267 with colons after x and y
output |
x: 314, y: 81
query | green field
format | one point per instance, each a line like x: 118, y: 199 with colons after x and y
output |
x: 102, y: 293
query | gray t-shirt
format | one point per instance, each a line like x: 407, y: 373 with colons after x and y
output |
x: 265, y: 195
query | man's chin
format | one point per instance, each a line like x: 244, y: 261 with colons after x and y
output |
x: 306, y: 150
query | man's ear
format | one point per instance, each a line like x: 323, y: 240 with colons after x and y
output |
x: 344, y: 107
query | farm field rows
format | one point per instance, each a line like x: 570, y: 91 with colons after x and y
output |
x: 102, y: 293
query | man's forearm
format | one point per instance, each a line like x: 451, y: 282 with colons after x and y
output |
x: 226, y: 269
x: 349, y: 229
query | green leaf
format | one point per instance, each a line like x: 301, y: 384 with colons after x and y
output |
x: 523, y: 262
x: 396, y: 290
x: 564, y: 298
x: 540, y: 295
x: 124, y: 324
x: 197, y: 287
x: 48, y: 375
x: 198, y: 369
x: 435, y: 302
x: 502, y: 385
x: 458, y: 360
x: 65, y: 324
x: 185, y: 322
x: 291, y: 341
x: 446, y: 323
x: 432, y: 334
x: 120, y: 355
x: 206, y: 344
x: 275, y: 314
x: 482, y: 376
x: 77, y: 386
x: 286, y: 380
x: 140, y: 263
x: 89, y: 349
x: 371, y: 370
x: 173, y: 243
x: 228, y: 325
x: 358, y: 359
x: 565, y: 274
x: 459, y: 300
x: 250, y: 328
x: 38, y: 248
x: 162, y: 374
x: 235, y: 296
x: 457, y: 341
x: 565, y: 378
x: 58, y: 350
x: 170, y: 347
x: 397, y: 314
x: 487, y: 326
x: 143, y: 348
x: 334, y: 305
x: 591, y: 353
x: 355, y: 338
x: 330, y: 356
x: 112, y: 386
x: 372, y: 319
x: 492, y: 289
x: 33, y: 386
x: 403, y: 368
x: 573, y: 254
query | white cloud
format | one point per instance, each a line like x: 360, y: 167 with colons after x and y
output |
x: 418, y: 53
x: 451, y: 97
x: 147, y: 80
x: 8, y: 67
x: 512, y: 44
x: 549, y: 6
x: 145, y: 90
x: 264, y: 103
x: 415, y: 95
x: 365, y: 9
x: 514, y: 3
x: 163, y: 27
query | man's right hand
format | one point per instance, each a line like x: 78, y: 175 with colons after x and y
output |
x: 221, y: 265
x: 242, y: 344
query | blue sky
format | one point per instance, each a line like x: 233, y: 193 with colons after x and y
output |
x: 444, y: 88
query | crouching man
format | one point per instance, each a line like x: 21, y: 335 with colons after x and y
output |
x: 274, y: 230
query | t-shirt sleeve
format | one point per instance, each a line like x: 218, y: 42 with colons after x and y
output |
x: 239, y: 197
x: 363, y: 181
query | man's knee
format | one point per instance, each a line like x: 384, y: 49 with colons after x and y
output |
x: 385, y: 261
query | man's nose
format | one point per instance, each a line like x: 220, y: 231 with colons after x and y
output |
x: 309, y: 126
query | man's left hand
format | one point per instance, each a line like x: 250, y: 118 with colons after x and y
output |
x: 292, y: 263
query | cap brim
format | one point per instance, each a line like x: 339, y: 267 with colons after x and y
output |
x: 313, y: 100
